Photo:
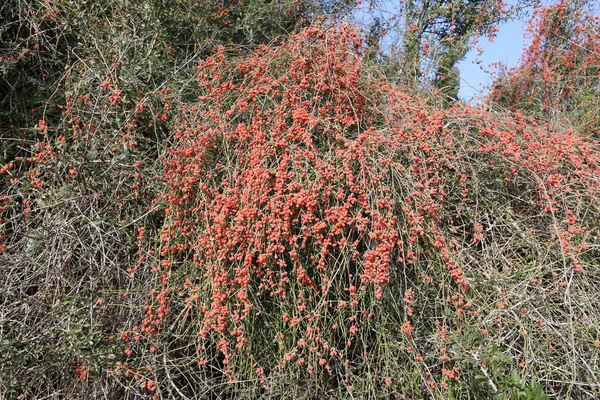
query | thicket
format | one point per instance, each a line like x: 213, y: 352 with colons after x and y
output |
x: 240, y: 200
x: 557, y: 77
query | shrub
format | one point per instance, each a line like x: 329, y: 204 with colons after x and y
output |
x: 327, y: 231
x: 558, y: 73
x: 285, y: 222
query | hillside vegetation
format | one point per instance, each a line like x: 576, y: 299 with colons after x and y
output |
x: 256, y: 199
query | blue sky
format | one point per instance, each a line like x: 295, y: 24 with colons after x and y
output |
x: 475, y: 69
x: 506, y: 48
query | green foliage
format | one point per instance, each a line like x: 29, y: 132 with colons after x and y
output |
x: 439, y: 33
x: 525, y: 391
x: 44, y: 350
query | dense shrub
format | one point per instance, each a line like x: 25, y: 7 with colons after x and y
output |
x: 283, y: 221
x: 86, y: 90
x: 327, y: 231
